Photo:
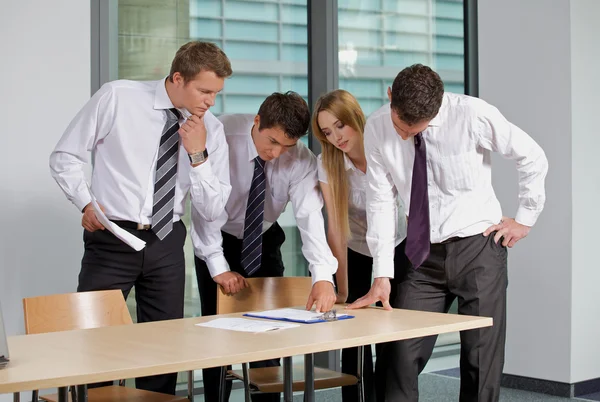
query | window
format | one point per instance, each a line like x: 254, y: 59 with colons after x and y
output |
x: 377, y: 38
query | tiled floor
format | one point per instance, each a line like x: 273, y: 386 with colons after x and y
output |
x: 443, y: 386
x: 517, y: 395
x: 434, y: 387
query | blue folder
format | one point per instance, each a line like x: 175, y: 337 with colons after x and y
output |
x: 312, y: 321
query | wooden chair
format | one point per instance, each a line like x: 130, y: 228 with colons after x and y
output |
x: 273, y: 293
x: 63, y: 312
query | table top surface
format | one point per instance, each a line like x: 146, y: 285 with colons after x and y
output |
x: 110, y: 353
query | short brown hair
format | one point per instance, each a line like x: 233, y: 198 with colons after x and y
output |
x: 417, y: 94
x: 288, y: 111
x: 194, y: 57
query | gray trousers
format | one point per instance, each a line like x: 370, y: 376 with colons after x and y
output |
x: 474, y: 270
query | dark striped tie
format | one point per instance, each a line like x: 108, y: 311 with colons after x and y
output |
x: 417, y: 238
x: 166, y: 176
x: 253, y: 224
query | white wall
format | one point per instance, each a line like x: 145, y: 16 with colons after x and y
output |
x: 525, y: 70
x: 45, y: 70
x: 585, y: 57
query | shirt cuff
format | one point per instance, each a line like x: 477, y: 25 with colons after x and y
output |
x: 383, y: 268
x: 81, y: 199
x: 321, y: 273
x: 217, y: 266
x: 202, y: 172
x: 526, y: 217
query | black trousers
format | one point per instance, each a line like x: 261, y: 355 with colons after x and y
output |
x: 271, y: 266
x: 157, y: 272
x: 474, y: 270
x: 360, y: 272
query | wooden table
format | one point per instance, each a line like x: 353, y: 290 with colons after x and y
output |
x: 76, y: 357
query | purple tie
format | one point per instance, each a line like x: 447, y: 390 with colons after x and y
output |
x: 417, y: 239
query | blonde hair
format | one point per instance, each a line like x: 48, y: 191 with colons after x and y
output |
x: 346, y: 109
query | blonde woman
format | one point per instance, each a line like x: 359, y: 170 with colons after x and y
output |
x: 338, y: 123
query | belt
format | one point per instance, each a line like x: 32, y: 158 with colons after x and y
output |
x: 452, y: 239
x: 132, y: 225
x: 455, y: 238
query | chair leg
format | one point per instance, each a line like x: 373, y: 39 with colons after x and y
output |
x: 359, y: 374
x: 17, y: 397
x: 121, y: 383
x: 190, y: 385
x: 246, y: 382
x: 34, y: 396
x: 74, y: 394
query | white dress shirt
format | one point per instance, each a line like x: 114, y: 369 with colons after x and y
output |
x: 120, y: 127
x: 291, y: 177
x: 357, y: 207
x: 462, y: 201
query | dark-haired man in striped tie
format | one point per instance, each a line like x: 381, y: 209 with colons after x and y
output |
x: 269, y: 167
x: 145, y: 164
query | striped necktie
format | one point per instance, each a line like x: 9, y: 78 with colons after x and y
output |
x: 166, y: 176
x: 253, y: 224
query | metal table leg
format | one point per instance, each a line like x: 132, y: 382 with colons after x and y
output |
x: 288, y: 381
x: 222, y: 384
x: 82, y: 393
x: 63, y: 394
x: 360, y: 374
x: 247, y: 397
x: 309, y: 378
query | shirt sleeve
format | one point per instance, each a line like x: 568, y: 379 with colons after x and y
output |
x: 322, y: 174
x: 210, y: 185
x: 382, y: 214
x: 499, y: 135
x: 308, y: 204
x: 72, y: 153
x: 206, y: 233
x: 208, y: 242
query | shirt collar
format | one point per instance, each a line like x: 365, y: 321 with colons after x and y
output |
x: 252, y: 152
x: 162, y: 100
x: 348, y: 165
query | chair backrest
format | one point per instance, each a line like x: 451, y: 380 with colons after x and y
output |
x: 63, y: 312
x: 3, y: 343
x: 266, y: 294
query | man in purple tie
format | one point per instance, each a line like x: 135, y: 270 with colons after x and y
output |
x: 433, y: 150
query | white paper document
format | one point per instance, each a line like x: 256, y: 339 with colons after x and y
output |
x: 291, y: 314
x: 134, y: 242
x: 245, y: 325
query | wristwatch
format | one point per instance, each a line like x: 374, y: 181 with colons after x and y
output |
x: 198, y: 157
